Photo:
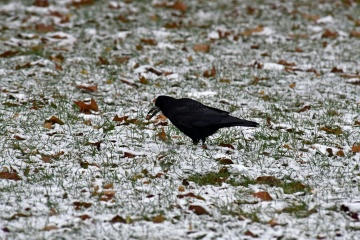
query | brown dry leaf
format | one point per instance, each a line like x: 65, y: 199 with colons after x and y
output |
x: 78, y: 205
x: 108, y: 185
x: 356, y: 148
x: 162, y: 135
x: 149, y: 41
x: 129, y: 155
x: 310, y: 17
x: 123, y: 19
x: 19, y: 138
x: 340, y: 153
x: 181, y: 188
x: 80, y: 3
x: 8, y: 53
x: 285, y: 63
x: 153, y: 70
x: 9, y: 175
x: 249, y: 32
x: 87, y: 107
x: 198, y: 210
x: 88, y: 88
x: 158, y: 219
x: 172, y: 25
x: 264, y: 196
x: 46, y: 158
x: 102, y: 61
x: 330, y: 130
x: 355, y: 34
x: 53, y: 120
x: 180, y: 6
x: 107, y: 195
x: 122, y: 60
x: 329, y: 34
x: 269, y: 180
x: 64, y: 18
x: 210, y: 73
x: 225, y: 161
x: 43, y: 28
x: 191, y: 195
x: 201, y: 47
x: 120, y: 119
x: 143, y: 80
x: 84, y: 217
x: 292, y: 85
x: 357, y: 122
x: 41, y: 3
x: 48, y: 125
x: 118, y: 219
x: 49, y: 228
x: 336, y: 70
x: 304, y: 109
x: 25, y: 65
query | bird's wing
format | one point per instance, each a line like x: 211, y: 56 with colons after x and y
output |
x: 201, y: 107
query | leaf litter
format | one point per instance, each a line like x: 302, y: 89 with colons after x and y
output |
x: 78, y: 77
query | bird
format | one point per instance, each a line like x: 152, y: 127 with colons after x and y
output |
x: 195, y: 119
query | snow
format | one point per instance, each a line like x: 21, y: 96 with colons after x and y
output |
x: 96, y: 168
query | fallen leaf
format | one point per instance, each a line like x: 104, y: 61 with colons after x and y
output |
x: 205, y: 48
x: 355, y: 34
x: 292, y: 85
x: 153, y: 70
x: 340, y: 153
x: 53, y: 120
x: 329, y: 34
x: 210, y: 73
x: 198, y: 210
x: 249, y: 32
x: 336, y: 70
x: 264, y: 196
x: 129, y: 155
x: 120, y: 119
x: 84, y: 217
x: 356, y: 148
x: 117, y: 219
x: 143, y: 80
x: 48, y: 125
x: 49, y: 228
x: 108, y: 185
x: 107, y: 195
x: 269, y: 180
x: 250, y: 234
x: 162, y: 135
x: 225, y: 161
x: 43, y: 28
x: 41, y: 3
x: 158, y: 219
x: 80, y: 3
x: 78, y: 205
x: 285, y: 63
x: 8, y: 53
x: 122, y: 60
x: 180, y: 6
x: 9, y: 175
x: 304, y: 109
x: 191, y: 195
x: 329, y: 130
x: 149, y: 41
x: 88, y: 88
x: 87, y: 107
x: 17, y: 137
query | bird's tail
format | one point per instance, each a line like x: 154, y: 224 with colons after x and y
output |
x: 233, y: 121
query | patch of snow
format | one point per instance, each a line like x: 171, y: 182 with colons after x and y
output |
x: 273, y: 66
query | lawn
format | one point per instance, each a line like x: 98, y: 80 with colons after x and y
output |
x: 78, y: 159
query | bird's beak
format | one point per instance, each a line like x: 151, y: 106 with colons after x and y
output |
x: 153, y: 111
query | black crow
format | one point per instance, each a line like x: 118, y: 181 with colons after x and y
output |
x: 195, y: 119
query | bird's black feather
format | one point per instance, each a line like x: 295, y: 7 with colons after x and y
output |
x: 195, y: 119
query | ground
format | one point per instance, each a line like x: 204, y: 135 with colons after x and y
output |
x: 78, y: 159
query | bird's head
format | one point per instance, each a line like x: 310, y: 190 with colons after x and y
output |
x: 160, y: 102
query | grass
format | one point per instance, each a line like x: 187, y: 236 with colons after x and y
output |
x: 134, y: 172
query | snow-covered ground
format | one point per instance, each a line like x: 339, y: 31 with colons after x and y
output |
x: 78, y: 160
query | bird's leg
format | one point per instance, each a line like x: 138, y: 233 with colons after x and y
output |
x: 195, y: 141
x: 203, y: 144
